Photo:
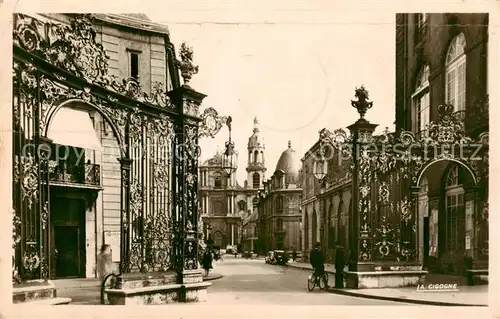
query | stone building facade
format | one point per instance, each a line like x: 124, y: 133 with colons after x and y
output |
x: 137, y: 48
x: 326, y: 204
x: 279, y: 215
x: 224, y: 203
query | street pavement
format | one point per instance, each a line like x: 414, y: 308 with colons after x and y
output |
x: 243, y: 282
x: 252, y: 281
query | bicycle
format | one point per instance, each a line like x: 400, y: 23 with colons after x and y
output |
x: 315, y: 280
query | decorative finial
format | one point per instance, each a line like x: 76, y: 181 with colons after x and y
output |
x: 255, y: 121
x: 362, y: 104
x: 186, y: 65
x: 289, y: 144
x: 445, y: 110
x: 229, y: 121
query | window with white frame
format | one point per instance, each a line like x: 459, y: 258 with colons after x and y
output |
x: 455, y: 73
x: 421, y: 101
x: 455, y: 213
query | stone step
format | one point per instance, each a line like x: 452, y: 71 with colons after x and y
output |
x: 49, y: 302
x: 33, y: 290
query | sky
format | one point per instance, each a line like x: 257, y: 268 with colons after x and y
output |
x: 296, y: 77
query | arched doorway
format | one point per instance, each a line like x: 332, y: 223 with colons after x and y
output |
x: 445, y: 209
x: 219, y: 239
x: 82, y: 167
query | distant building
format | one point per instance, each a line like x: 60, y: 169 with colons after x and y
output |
x: 279, y: 213
x: 325, y: 206
x: 224, y: 203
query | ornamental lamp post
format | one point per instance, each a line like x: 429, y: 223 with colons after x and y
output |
x: 230, y: 157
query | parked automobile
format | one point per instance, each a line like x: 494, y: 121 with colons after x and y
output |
x: 270, y: 258
x: 246, y: 254
x: 230, y: 249
x: 280, y: 257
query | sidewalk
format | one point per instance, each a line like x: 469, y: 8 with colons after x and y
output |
x: 465, y: 296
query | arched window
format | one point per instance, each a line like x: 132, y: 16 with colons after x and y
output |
x: 256, y: 180
x: 455, y: 210
x: 256, y: 156
x: 455, y: 73
x: 421, y: 101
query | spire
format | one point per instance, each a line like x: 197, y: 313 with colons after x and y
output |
x: 255, y: 125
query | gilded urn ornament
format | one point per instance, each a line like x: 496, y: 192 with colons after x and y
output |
x: 186, y: 65
x: 362, y: 104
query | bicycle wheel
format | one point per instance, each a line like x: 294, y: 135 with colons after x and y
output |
x: 322, y: 282
x: 311, y: 283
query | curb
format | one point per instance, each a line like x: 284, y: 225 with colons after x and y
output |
x: 306, y: 268
x: 211, y: 278
x: 403, y: 300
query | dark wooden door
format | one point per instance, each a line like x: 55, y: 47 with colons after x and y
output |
x: 67, y: 245
x: 68, y: 236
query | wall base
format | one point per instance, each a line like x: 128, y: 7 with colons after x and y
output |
x: 159, y: 289
x: 41, y: 292
x: 384, y: 279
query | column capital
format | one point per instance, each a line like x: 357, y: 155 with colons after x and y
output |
x: 183, y: 99
x: 125, y: 162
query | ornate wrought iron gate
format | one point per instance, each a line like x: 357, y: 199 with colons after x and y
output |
x: 157, y: 133
x: 386, y: 172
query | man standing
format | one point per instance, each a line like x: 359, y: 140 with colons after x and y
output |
x: 317, y: 260
x: 339, y: 265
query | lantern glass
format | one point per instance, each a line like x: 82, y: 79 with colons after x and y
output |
x: 320, y: 169
x: 229, y: 159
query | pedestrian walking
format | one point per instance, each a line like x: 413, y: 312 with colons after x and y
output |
x: 294, y: 255
x: 339, y: 265
x: 104, y: 262
x: 207, y: 261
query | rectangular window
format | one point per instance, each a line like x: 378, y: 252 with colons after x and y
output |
x: 134, y: 65
x: 422, y: 111
x: 461, y: 88
x: 455, y: 220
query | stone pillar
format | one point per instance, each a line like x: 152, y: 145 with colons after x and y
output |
x: 232, y: 234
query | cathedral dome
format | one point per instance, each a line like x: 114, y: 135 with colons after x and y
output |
x: 289, y: 164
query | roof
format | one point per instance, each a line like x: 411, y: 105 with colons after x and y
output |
x: 138, y: 21
x: 289, y: 164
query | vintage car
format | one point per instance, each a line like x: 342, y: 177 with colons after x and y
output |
x: 280, y: 257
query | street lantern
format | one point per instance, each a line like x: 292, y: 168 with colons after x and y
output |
x: 320, y: 167
x: 230, y: 157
